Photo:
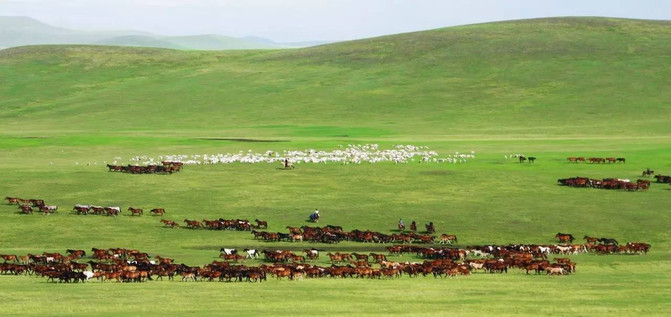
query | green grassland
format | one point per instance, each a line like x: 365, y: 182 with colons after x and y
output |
x: 550, y: 88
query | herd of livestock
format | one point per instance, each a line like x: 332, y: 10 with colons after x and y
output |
x: 124, y: 265
x: 335, y: 234
x: 26, y: 206
x: 596, y: 160
x: 349, y: 154
x: 606, y: 183
x: 166, y: 167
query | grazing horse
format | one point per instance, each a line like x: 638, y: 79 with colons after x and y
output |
x: 531, y: 159
x: 522, y: 158
x: 621, y: 159
x: 564, y: 237
x: 135, y: 211
x: 157, y: 211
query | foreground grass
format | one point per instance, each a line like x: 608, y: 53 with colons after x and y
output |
x: 487, y: 200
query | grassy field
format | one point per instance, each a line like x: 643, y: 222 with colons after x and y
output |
x: 548, y: 88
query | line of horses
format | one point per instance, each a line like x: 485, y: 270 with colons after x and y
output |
x: 167, y: 167
x: 81, y: 209
x: 335, y: 234
x: 26, y: 205
x: 596, y: 160
x: 606, y: 183
x: 218, y: 224
x: 125, y: 265
x: 129, y: 265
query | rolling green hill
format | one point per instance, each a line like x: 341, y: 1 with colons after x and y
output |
x: 548, y: 88
x: 20, y: 31
x: 531, y: 78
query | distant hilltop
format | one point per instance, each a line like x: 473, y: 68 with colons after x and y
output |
x: 20, y: 31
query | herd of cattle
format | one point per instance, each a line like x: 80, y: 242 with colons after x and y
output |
x: 167, y: 167
x: 606, y: 183
x: 596, y: 160
x: 124, y: 265
x: 335, y: 234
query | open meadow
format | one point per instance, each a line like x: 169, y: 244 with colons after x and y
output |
x: 548, y: 88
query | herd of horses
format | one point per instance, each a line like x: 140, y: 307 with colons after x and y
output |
x: 596, y: 160
x: 335, y: 234
x: 600, y: 245
x: 26, y: 205
x: 112, y: 211
x: 606, y: 183
x: 218, y: 224
x: 167, y: 167
x: 127, y: 265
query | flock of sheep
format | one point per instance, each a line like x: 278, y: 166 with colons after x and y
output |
x: 350, y: 154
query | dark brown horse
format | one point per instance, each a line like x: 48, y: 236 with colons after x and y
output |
x: 157, y: 211
x: 261, y: 223
x: 135, y: 211
x: 564, y: 237
x: 26, y: 209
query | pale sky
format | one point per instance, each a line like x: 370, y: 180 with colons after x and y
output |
x: 305, y: 20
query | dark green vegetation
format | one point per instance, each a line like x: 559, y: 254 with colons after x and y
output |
x: 549, y: 88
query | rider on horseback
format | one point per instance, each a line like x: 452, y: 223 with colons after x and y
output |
x: 314, y: 216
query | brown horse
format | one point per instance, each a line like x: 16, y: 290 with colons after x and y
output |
x: 590, y: 239
x: 564, y: 237
x: 157, y: 211
x: 8, y: 257
x: 12, y: 200
x: 261, y: 223
x: 193, y: 224
x: 169, y: 223
x: 447, y: 238
x: 26, y: 209
x: 135, y: 211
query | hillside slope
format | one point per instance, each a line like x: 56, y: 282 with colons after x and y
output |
x: 558, y: 77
